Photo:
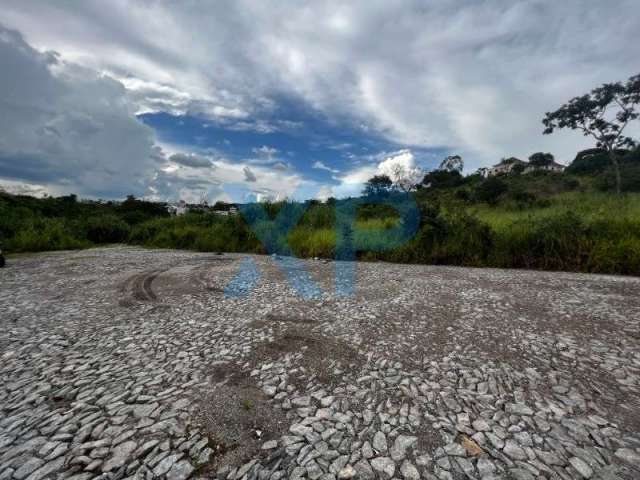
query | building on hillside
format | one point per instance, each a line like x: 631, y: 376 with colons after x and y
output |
x: 179, y: 208
x: 511, y: 165
x: 483, y: 172
x: 549, y: 167
x: 232, y: 210
x: 505, y: 166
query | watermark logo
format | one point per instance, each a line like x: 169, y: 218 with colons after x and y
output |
x: 351, y: 238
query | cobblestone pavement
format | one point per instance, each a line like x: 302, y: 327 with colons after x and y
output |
x: 129, y: 363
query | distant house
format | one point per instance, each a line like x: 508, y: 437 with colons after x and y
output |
x: 550, y: 167
x: 505, y: 166
x: 179, y: 208
x: 225, y: 209
x: 510, y: 165
x: 483, y: 172
x: 182, y: 208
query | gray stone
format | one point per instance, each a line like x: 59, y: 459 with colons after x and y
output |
x: 513, y: 450
x: 180, y: 471
x: 481, y: 425
x: 629, y: 456
x: 581, y: 467
x: 346, y: 473
x: 270, y: 445
x: 384, y: 465
x: 365, y: 472
x: 409, y: 471
x: 380, y: 442
x: 121, y: 455
x: 27, y: 468
x: 166, y: 464
x: 402, y: 443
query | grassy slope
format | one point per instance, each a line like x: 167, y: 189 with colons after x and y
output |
x: 589, y: 206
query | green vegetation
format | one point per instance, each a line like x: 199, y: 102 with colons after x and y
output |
x: 543, y: 220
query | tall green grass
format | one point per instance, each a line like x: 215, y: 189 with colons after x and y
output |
x: 570, y: 230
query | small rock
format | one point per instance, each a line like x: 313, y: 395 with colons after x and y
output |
x: 409, y: 471
x: 380, y: 442
x: 581, y: 466
x: 270, y: 445
x: 347, y: 472
x: 180, y: 471
x: 384, y: 465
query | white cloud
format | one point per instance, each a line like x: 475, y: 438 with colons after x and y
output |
x: 281, y: 166
x: 21, y: 188
x: 265, y: 152
x: 476, y: 77
x: 324, y: 193
x: 400, y: 166
x: 318, y: 165
x: 68, y: 128
x: 403, y: 158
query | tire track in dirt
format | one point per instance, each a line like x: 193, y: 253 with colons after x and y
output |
x: 138, y: 288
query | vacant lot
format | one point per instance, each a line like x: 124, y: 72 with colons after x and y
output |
x: 124, y: 362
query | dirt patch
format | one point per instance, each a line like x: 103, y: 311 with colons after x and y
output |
x: 321, y: 355
x: 275, y: 317
x: 238, y: 418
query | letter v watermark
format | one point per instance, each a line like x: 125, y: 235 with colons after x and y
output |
x: 273, y: 233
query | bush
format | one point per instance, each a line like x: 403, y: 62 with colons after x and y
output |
x: 107, y: 229
x: 443, y: 179
x: 44, y: 235
x: 630, y: 179
x: 307, y: 242
x: 555, y: 243
x: 490, y: 190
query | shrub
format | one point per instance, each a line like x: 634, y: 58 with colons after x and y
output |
x: 307, y: 242
x: 43, y: 235
x: 443, y: 179
x: 107, y: 229
x: 553, y: 243
x: 490, y: 190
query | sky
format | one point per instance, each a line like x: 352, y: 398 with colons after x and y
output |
x: 251, y: 100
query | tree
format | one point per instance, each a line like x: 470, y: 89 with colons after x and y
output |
x: 517, y: 169
x: 490, y: 190
x: 405, y: 178
x: 603, y: 114
x: 540, y: 159
x: 377, y: 186
x: 442, y: 179
x: 452, y: 163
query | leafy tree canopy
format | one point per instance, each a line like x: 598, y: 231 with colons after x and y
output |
x: 540, y: 159
x: 452, y: 163
x: 602, y: 114
x: 378, y: 185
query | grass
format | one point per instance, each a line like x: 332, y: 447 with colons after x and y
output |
x: 590, y: 207
x: 544, y: 227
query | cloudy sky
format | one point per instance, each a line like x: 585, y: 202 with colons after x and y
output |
x: 240, y: 99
